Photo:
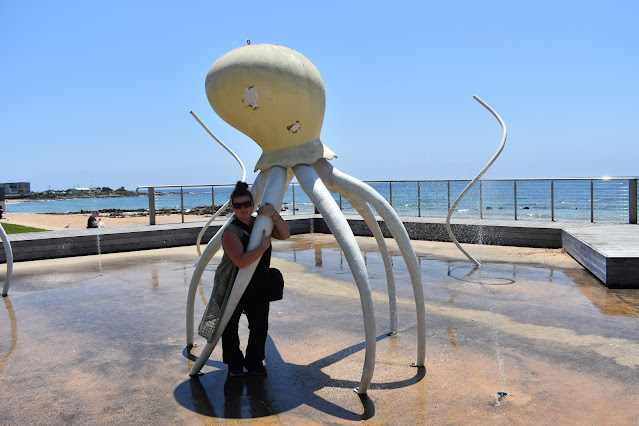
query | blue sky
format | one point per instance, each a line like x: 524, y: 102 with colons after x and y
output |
x: 99, y: 93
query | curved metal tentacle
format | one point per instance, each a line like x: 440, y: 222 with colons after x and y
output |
x: 365, y: 211
x: 322, y: 199
x: 346, y: 183
x: 9, y: 255
x: 211, y: 248
x: 274, y: 194
x: 223, y: 208
x: 470, y: 185
x: 208, y: 224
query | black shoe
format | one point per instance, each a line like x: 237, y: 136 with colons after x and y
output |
x: 236, y: 371
x: 260, y: 370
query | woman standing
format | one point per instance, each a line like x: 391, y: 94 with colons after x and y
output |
x: 254, y: 303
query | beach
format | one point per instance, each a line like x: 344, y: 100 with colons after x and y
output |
x: 56, y: 222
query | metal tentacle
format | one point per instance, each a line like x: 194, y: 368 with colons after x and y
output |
x: 470, y: 185
x: 347, y: 183
x: 322, y: 199
x: 366, y: 213
x: 208, y: 224
x: 9, y: 255
x: 224, y: 207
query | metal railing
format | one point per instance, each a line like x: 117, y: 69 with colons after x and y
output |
x: 631, y: 199
x: 582, y: 193
x: 151, y: 190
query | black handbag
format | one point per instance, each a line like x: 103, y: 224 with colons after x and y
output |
x: 274, y: 285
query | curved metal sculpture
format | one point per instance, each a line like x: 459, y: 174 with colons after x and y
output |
x: 225, y: 205
x: 9, y: 255
x: 275, y: 96
x: 470, y: 185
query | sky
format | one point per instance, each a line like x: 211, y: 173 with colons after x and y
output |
x: 99, y: 93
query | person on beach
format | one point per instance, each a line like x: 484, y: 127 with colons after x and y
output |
x: 93, y: 220
x: 254, y: 302
x: 1, y: 212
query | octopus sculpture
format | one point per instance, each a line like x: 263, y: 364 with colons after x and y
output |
x: 276, y: 96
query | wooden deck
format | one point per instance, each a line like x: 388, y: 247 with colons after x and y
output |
x: 609, y: 251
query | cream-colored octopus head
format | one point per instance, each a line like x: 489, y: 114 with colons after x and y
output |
x: 275, y: 96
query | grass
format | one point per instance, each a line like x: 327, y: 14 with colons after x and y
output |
x: 11, y: 228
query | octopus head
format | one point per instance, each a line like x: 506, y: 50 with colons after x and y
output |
x: 275, y: 96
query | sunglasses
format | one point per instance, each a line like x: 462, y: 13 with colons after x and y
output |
x: 242, y: 205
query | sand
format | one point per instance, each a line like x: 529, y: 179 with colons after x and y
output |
x: 55, y: 222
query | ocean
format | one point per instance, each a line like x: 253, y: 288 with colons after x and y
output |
x: 572, y: 200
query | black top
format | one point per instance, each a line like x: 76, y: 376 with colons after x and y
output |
x: 92, y: 222
x: 257, y: 286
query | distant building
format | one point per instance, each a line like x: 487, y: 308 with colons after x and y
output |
x: 16, y: 187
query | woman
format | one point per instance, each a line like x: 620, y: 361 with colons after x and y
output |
x: 93, y: 219
x: 254, y: 303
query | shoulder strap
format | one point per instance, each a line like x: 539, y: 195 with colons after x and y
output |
x: 242, y: 225
x: 238, y: 231
x: 242, y: 231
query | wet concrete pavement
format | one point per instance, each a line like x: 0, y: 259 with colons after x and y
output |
x: 100, y: 339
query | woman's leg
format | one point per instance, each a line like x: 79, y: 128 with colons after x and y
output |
x: 257, y: 314
x: 231, y: 353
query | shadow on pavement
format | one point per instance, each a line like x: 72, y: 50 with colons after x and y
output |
x: 287, y: 386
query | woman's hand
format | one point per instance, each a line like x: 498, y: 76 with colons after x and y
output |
x: 280, y: 228
x: 266, y: 240
x: 267, y: 209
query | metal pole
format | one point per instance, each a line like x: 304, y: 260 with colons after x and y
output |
x: 293, y: 185
x: 340, y: 202
x: 448, y: 183
x: 419, y: 200
x: 182, y: 202
x: 213, y: 197
x: 475, y: 179
x: 481, y: 200
x: 632, y: 201
x: 515, y: 196
x: 390, y: 190
x: 592, y: 201
x: 151, y: 194
x: 552, y: 200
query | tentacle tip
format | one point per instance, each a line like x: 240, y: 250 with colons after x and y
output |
x: 198, y: 374
x: 414, y: 364
x: 391, y: 333
x: 356, y: 390
x: 5, y: 294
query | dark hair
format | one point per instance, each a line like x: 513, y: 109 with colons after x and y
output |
x: 241, y: 189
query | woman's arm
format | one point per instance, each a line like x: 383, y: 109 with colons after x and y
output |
x: 281, y: 230
x: 234, y: 248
